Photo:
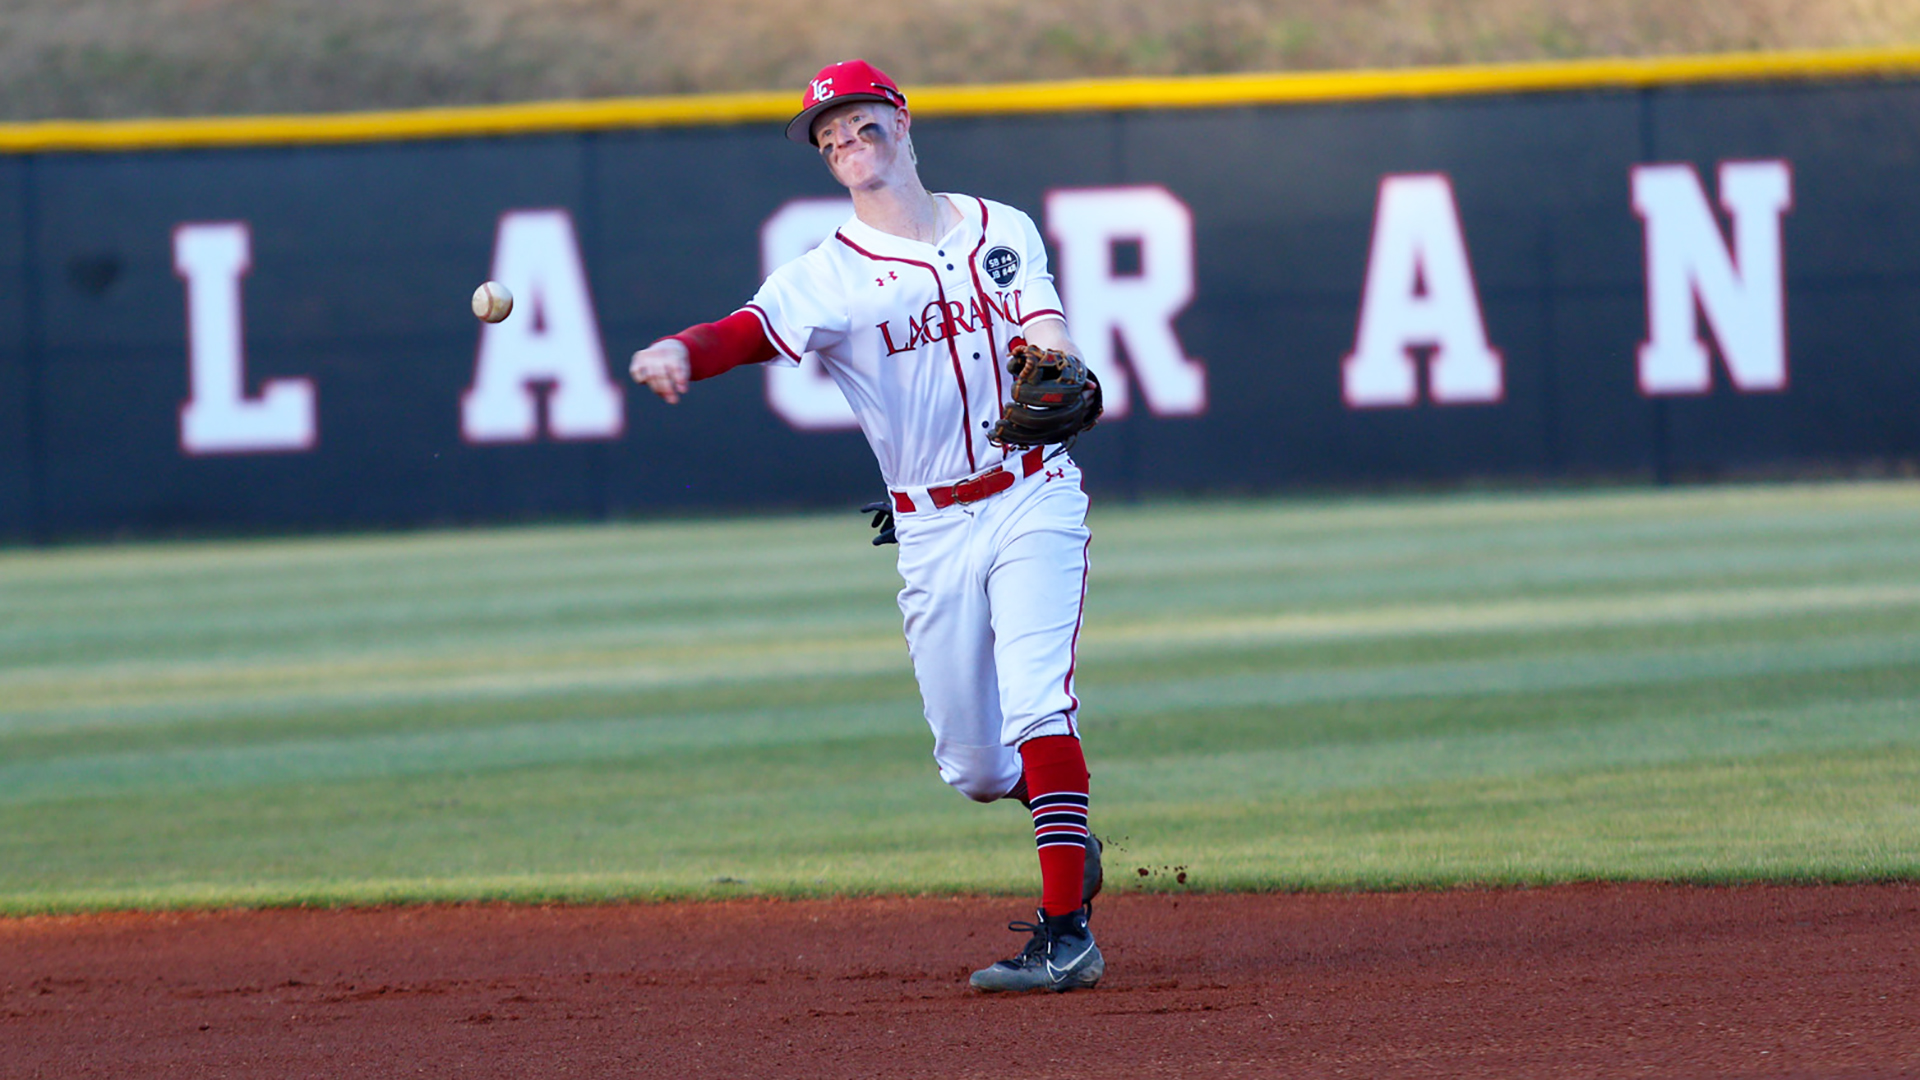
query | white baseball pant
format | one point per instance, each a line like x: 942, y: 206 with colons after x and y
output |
x: 993, y: 600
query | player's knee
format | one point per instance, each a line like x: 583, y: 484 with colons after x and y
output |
x: 981, y: 773
x: 981, y: 789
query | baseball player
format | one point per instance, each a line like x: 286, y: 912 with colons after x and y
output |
x: 938, y: 319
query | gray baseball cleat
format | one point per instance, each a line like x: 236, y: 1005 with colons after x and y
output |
x: 1060, y: 956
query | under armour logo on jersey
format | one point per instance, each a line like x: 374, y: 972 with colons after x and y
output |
x: 822, y: 89
x: 1056, y: 474
x: 882, y: 282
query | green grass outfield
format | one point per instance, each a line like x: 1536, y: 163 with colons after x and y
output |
x: 1710, y: 684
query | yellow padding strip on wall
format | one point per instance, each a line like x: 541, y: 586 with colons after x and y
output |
x: 1087, y: 95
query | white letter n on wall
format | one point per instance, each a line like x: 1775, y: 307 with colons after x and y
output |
x: 219, y: 417
x: 1419, y: 292
x: 1742, y: 292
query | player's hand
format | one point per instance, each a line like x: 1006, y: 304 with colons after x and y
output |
x: 663, y: 368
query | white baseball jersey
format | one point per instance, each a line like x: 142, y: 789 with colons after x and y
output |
x: 916, y: 334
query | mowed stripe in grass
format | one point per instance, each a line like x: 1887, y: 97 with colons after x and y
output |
x: 587, y: 730
x: 675, y: 709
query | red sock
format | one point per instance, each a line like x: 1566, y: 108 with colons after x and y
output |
x: 1056, y: 775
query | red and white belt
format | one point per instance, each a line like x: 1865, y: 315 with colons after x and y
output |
x: 973, y: 488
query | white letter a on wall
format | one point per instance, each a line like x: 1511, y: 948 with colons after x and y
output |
x: 551, y: 338
x: 1419, y: 292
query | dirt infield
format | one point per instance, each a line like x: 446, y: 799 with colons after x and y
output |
x: 1597, y: 981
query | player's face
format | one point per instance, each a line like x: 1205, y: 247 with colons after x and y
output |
x: 863, y: 142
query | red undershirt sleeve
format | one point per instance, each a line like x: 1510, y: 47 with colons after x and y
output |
x: 722, y: 346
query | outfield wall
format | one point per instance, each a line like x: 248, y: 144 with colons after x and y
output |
x: 1690, y: 267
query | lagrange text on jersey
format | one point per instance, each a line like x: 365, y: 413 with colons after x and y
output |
x: 941, y: 320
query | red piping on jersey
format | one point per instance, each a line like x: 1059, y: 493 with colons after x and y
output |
x: 953, y: 347
x: 767, y: 325
x: 1073, y: 650
x: 1025, y: 319
x: 716, y: 347
x: 986, y: 309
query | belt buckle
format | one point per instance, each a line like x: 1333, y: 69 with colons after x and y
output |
x: 979, y: 487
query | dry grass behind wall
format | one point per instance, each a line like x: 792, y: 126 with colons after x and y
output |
x: 100, y: 58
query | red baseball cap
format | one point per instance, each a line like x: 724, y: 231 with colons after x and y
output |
x: 837, y: 84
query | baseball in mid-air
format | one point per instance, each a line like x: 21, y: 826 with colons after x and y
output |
x: 492, y: 302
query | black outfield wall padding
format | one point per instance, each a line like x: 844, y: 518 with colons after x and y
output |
x: 1671, y: 279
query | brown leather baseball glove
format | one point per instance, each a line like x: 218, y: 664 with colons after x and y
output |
x: 1055, y: 398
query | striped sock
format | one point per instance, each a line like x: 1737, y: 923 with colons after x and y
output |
x: 1056, y: 775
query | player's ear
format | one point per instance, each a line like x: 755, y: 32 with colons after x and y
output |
x: 903, y: 132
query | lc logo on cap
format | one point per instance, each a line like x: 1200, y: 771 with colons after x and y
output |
x: 837, y: 84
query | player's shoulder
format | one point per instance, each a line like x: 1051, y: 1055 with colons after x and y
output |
x: 1003, y: 226
x: 991, y: 213
x: 823, y: 260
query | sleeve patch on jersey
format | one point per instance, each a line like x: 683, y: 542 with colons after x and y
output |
x: 1002, y: 264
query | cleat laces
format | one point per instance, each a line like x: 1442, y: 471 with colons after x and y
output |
x: 1036, y: 948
